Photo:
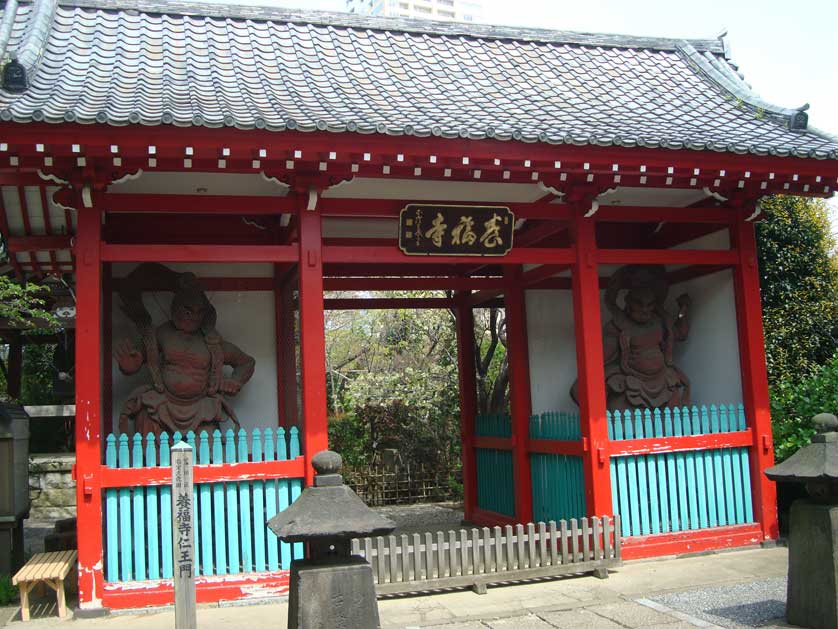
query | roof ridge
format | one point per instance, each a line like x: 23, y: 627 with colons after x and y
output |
x: 37, y: 32
x: 721, y: 74
x: 7, y: 25
x: 351, y: 20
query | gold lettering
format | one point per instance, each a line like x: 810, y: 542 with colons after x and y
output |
x: 491, y: 237
x: 437, y: 231
x: 463, y: 232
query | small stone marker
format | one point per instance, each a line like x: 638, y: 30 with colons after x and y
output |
x: 332, y: 589
x: 183, y: 527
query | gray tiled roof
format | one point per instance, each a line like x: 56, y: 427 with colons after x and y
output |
x: 188, y: 64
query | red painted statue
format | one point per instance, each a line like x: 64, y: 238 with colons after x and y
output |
x: 185, y: 358
x: 639, y: 339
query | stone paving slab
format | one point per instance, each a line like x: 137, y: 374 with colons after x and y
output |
x: 519, y: 622
x: 705, y: 591
x: 631, y: 614
x: 579, y: 619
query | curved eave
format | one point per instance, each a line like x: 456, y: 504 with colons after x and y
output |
x: 489, y: 133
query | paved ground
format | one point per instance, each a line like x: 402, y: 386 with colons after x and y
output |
x: 743, y: 588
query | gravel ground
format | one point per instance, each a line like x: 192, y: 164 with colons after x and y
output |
x: 756, y: 604
x: 432, y: 517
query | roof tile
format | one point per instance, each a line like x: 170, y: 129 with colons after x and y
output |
x: 316, y: 72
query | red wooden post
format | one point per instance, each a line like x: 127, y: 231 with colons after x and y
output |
x: 312, y: 335
x: 519, y: 390
x: 286, y: 355
x: 754, y: 375
x: 587, y: 321
x: 89, y: 405
x: 468, y: 399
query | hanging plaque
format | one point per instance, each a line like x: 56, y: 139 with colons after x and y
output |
x: 456, y: 230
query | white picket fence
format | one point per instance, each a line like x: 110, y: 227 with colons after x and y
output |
x: 479, y: 557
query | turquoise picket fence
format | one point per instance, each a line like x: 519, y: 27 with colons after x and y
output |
x: 494, y: 425
x: 495, y: 483
x: 556, y: 425
x: 231, y: 536
x: 558, y: 484
x: 678, y: 491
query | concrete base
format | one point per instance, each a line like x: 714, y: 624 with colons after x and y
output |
x: 813, y: 566
x: 332, y: 594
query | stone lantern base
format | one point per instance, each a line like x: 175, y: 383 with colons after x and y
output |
x: 812, y: 599
x: 333, y: 593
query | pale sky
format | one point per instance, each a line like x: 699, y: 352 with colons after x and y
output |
x: 787, y: 50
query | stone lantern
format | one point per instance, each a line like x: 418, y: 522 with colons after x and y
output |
x: 331, y: 588
x: 812, y: 599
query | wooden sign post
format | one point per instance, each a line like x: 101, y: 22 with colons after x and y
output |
x: 183, y: 533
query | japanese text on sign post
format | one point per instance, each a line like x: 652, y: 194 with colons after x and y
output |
x: 183, y: 532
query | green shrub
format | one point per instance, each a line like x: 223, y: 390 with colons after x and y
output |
x: 793, y: 404
x: 8, y: 592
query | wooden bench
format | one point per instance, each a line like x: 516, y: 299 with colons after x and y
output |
x: 49, y: 568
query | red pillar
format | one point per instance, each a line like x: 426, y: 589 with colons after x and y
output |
x: 519, y: 390
x: 468, y: 399
x: 286, y: 356
x: 89, y: 405
x: 754, y: 375
x: 312, y: 336
x: 587, y: 321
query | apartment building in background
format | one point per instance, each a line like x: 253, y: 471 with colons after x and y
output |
x: 458, y: 10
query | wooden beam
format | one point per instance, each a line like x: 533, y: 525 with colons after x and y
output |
x: 134, y: 140
x: 248, y: 205
x: 390, y: 208
x: 654, y: 214
x: 393, y: 255
x: 409, y: 283
x: 543, y: 272
x: 539, y: 232
x: 199, y: 253
x: 392, y: 303
x: 480, y: 298
x: 37, y: 243
x: 718, y: 257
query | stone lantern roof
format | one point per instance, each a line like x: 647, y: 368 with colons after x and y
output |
x: 817, y: 461
x: 328, y: 509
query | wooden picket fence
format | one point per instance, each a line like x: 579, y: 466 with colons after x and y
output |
x: 678, y: 491
x: 231, y: 535
x: 480, y: 557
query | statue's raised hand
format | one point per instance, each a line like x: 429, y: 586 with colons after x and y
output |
x: 128, y: 357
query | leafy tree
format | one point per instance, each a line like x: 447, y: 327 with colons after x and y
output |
x: 392, y: 382
x: 799, y: 286
x: 492, y: 361
x: 23, y: 305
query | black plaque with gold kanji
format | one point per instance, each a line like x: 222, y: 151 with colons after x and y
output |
x: 456, y: 230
